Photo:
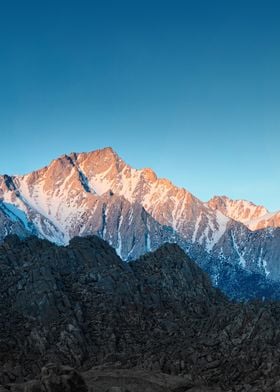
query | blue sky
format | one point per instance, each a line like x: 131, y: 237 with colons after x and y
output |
x: 189, y: 88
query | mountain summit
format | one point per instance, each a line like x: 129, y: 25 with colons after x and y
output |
x: 81, y: 194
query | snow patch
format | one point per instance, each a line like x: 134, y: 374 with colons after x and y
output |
x: 196, y: 228
x: 119, y: 245
x: 264, y: 263
x: 242, y: 261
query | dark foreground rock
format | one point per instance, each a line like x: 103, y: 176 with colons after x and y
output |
x: 151, y: 320
x: 55, y: 378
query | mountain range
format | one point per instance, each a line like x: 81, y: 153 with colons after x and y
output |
x: 81, y: 194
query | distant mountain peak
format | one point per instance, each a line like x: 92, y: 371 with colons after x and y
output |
x: 253, y: 216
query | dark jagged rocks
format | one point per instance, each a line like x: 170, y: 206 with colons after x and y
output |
x: 82, y: 306
x: 53, y: 378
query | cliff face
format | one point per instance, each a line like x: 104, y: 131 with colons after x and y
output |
x: 81, y: 305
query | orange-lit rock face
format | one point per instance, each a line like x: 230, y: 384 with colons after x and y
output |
x: 100, y: 161
x: 253, y: 216
x: 270, y: 220
x: 149, y: 175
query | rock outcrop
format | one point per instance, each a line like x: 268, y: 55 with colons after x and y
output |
x: 82, y: 306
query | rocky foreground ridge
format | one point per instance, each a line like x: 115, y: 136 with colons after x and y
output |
x: 150, y: 319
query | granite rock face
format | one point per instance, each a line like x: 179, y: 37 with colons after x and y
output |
x: 82, y: 306
x: 253, y: 216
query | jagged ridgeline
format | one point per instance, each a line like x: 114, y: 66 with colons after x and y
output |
x: 83, y: 306
x: 236, y: 242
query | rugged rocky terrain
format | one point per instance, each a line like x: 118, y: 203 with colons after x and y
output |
x: 253, y: 216
x: 83, y: 307
x: 136, y: 212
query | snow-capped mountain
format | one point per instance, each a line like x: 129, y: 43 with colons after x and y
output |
x: 253, y: 216
x: 133, y: 210
x: 62, y: 198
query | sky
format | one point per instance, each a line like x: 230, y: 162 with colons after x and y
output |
x: 190, y: 88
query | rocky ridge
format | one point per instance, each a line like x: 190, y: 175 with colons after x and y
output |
x: 253, y: 216
x: 82, y: 306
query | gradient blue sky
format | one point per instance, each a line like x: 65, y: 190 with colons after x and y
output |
x: 189, y: 88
